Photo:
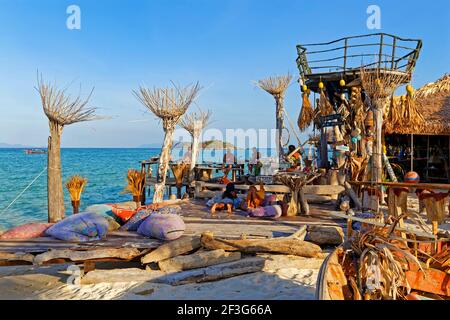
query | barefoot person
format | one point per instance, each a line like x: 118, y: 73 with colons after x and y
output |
x: 229, y: 200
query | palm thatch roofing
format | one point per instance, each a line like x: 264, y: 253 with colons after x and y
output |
x: 433, y: 101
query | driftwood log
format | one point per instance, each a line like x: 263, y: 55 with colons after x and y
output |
x: 325, y: 235
x: 172, y: 249
x: 283, y: 245
x: 212, y: 273
x: 198, y: 260
x: 73, y: 255
x: 7, y: 257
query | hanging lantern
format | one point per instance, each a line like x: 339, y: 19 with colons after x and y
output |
x: 321, y: 85
x: 342, y: 83
x: 410, y: 90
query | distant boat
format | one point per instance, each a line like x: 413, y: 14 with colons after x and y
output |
x: 35, y: 151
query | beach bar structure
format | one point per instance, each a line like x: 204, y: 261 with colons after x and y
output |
x: 426, y: 149
x: 335, y: 68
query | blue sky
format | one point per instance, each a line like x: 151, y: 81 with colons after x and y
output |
x: 225, y: 45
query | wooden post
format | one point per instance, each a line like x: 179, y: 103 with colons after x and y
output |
x: 323, y: 149
x: 279, y: 124
x: 54, y: 176
x: 395, y: 209
x: 303, y: 203
x: 412, y: 152
x: 163, y: 164
x: 143, y: 190
x: 377, y: 161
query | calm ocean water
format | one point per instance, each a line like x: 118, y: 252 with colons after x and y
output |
x: 105, y: 169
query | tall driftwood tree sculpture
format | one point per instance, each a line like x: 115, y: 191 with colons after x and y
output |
x: 61, y: 110
x: 194, y: 123
x: 277, y: 86
x: 169, y: 105
x: 379, y: 87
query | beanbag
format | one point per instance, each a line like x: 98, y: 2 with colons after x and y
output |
x: 86, y: 226
x: 136, y: 220
x: 104, y: 209
x: 169, y: 210
x: 27, y: 231
x: 162, y: 226
x: 269, y: 200
x: 268, y: 211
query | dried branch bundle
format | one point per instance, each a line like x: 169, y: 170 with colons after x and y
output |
x: 195, y: 121
x: 324, y: 105
x: 276, y: 85
x: 75, y: 186
x: 168, y: 104
x: 136, y: 182
x: 60, y: 108
x: 306, y: 114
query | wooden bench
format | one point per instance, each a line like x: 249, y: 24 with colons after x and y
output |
x: 201, y: 189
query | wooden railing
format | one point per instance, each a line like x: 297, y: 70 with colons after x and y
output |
x: 381, y: 50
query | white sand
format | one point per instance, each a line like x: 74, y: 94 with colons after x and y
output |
x: 284, y: 277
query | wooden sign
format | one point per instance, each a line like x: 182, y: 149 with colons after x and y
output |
x: 330, y: 117
x: 331, y: 124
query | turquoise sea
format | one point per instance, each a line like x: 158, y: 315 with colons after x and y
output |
x: 105, y: 169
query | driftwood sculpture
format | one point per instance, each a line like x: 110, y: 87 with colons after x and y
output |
x: 194, y: 123
x: 277, y: 86
x: 169, y: 105
x: 296, y: 182
x: 61, y: 110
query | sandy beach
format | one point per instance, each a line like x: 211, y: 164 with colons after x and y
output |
x: 283, y: 277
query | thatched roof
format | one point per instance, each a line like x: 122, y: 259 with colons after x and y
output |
x: 433, y: 101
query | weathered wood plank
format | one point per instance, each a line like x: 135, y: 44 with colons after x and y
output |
x: 172, y: 249
x: 212, y: 273
x: 283, y: 245
x: 123, y: 253
x: 198, y: 260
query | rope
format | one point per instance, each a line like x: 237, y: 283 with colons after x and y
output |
x: 292, y: 126
x: 23, y: 191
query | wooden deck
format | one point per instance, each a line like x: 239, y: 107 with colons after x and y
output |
x: 198, y: 220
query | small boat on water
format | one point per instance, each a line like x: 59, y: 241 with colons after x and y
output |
x: 35, y: 151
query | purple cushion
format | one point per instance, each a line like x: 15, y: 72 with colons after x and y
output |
x: 162, y: 226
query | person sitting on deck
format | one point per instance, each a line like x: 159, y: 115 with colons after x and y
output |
x: 294, y: 158
x: 228, y: 201
x: 229, y: 159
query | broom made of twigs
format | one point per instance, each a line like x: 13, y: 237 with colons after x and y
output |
x: 306, y: 114
x: 75, y: 185
x: 136, y: 184
x: 325, y: 106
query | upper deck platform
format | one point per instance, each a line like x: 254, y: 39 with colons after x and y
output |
x: 344, y: 58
